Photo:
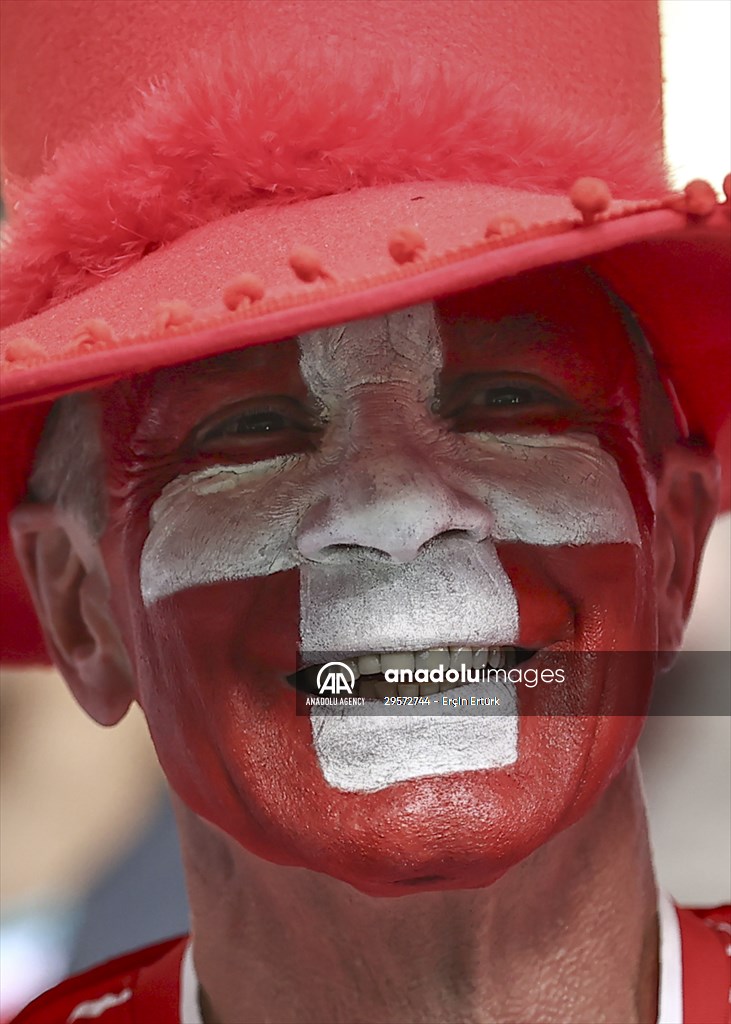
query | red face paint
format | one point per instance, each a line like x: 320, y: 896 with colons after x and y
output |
x: 211, y: 660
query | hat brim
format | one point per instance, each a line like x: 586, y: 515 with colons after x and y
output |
x: 671, y: 268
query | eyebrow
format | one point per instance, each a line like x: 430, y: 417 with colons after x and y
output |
x: 182, y: 387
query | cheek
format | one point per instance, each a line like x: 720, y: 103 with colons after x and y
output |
x: 601, y: 595
x: 223, y: 523
x: 243, y: 627
x: 211, y: 664
x: 598, y: 601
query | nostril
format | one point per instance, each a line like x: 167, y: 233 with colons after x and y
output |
x: 337, y: 554
x: 472, y: 535
x: 456, y: 535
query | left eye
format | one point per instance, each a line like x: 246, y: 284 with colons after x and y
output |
x: 508, y: 396
x: 483, y: 401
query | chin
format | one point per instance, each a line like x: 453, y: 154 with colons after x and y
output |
x: 456, y: 831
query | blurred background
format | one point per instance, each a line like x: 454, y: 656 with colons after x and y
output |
x: 89, y: 865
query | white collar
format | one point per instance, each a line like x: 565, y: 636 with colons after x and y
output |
x: 670, y: 988
x: 670, y: 995
x: 190, y: 1010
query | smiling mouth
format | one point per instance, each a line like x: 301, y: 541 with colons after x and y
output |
x: 369, y: 669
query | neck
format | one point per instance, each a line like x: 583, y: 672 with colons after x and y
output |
x: 568, y: 935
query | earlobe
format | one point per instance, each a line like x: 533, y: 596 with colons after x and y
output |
x: 65, y: 573
x: 687, y: 502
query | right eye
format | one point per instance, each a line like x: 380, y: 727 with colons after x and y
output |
x: 259, y: 427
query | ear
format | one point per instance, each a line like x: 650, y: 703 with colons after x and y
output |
x: 65, y: 573
x: 687, y: 502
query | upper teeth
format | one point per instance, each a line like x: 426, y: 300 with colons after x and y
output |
x: 448, y: 657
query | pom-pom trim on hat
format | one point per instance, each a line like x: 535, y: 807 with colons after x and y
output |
x: 307, y: 264
x: 502, y: 226
x: 590, y: 196
x: 406, y: 244
x: 174, y: 313
x: 23, y: 352
x: 90, y: 334
x: 244, y: 289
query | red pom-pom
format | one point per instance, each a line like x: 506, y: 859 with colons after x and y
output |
x: 174, y: 313
x: 306, y: 264
x: 245, y: 288
x: 727, y: 187
x: 90, y: 334
x: 700, y: 198
x: 406, y: 245
x: 503, y: 225
x: 22, y: 351
x: 590, y: 196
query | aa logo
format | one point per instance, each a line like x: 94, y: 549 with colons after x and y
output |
x: 336, y: 678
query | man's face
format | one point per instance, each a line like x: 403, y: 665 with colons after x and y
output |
x: 469, y: 476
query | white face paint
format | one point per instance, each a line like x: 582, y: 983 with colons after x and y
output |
x: 393, y: 524
x: 362, y: 752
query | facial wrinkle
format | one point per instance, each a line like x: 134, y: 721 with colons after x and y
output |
x: 403, y: 347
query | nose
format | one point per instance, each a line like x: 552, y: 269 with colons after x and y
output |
x: 388, y: 508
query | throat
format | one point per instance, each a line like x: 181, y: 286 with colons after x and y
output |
x: 508, y: 951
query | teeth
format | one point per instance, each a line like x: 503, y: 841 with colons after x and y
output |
x: 369, y: 664
x: 435, y: 658
x: 459, y: 656
x: 353, y: 665
x: 445, y: 657
x: 479, y: 659
x: 397, y: 661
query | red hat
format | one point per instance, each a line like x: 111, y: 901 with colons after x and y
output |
x: 186, y: 177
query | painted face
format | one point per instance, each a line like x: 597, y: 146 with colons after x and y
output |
x: 461, y: 482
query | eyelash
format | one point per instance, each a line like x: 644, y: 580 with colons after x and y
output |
x: 224, y: 429
x: 535, y: 396
x: 256, y: 421
x: 502, y: 397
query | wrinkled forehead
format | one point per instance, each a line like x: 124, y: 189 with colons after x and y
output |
x: 403, y: 347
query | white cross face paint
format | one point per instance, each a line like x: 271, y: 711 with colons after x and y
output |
x: 392, y: 523
x: 362, y: 752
